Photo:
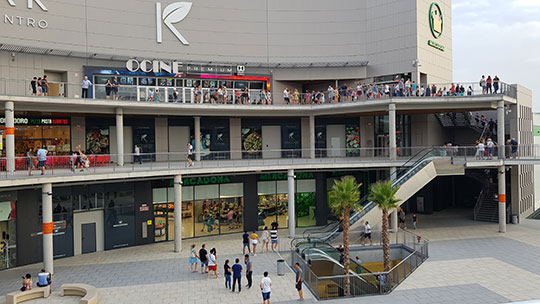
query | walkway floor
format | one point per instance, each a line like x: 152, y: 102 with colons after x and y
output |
x: 470, y: 262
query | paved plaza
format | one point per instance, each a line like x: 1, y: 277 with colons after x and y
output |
x: 470, y: 262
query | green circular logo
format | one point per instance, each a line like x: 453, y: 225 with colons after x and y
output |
x: 436, y: 22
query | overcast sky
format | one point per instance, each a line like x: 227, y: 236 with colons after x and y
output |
x: 498, y: 37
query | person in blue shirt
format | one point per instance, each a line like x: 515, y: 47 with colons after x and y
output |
x: 44, y: 278
x: 237, y: 275
x: 42, y: 158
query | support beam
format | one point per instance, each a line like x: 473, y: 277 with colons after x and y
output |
x: 197, y: 122
x: 120, y: 136
x: 10, y: 136
x: 500, y: 129
x: 311, y: 136
x: 392, y: 130
x: 178, y: 213
x: 502, y: 199
x: 48, y: 227
x: 292, y: 192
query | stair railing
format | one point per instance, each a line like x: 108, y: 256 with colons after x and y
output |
x: 478, y: 204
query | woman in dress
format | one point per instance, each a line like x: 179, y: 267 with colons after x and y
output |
x: 193, y: 259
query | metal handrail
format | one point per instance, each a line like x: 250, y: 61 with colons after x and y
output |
x: 477, y: 205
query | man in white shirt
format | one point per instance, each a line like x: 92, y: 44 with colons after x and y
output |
x: 266, y: 284
x: 42, y: 158
x: 85, y: 86
x: 367, y: 232
x: 286, y: 96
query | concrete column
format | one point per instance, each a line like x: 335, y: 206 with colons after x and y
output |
x: 312, y: 136
x: 292, y: 192
x: 10, y: 137
x: 48, y: 227
x: 502, y: 199
x: 178, y: 213
x: 120, y: 135
x: 392, y: 130
x: 197, y: 138
x: 500, y: 129
x: 394, y: 221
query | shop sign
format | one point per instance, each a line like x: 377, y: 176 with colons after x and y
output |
x: 283, y: 176
x: 144, y: 207
x: 37, y: 121
x: 173, y: 13
x: 536, y: 130
x: 436, y: 45
x: 206, y: 180
x: 436, y: 22
x: 24, y: 20
x: 178, y: 67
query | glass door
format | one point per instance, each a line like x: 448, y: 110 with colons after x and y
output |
x: 161, y: 226
x: 207, y: 210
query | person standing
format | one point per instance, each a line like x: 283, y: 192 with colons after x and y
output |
x: 483, y: 84
x: 414, y: 221
x: 265, y: 239
x: 298, y: 281
x: 85, y: 86
x: 212, y: 263
x: 108, y: 89
x: 496, y: 81
x: 203, y: 257
x: 189, y: 154
x: 286, y: 98
x: 30, y: 160
x: 489, y: 81
x: 115, y: 86
x: 266, y: 285
x: 193, y: 259
x: 45, y: 86
x: 254, y: 241
x: 227, y: 272
x: 237, y: 275
x: 249, y: 270
x: 490, y: 147
x: 42, y: 158
x: 33, y: 86
x: 274, y: 237
x: 480, y: 148
x: 137, y: 152
x: 245, y: 243
x: 514, y: 147
x: 401, y: 216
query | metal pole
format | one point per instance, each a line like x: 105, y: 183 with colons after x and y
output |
x: 392, y: 130
x: 197, y: 138
x: 120, y: 135
x: 500, y: 129
x: 292, y: 214
x: 312, y: 137
x: 48, y: 227
x: 178, y: 213
x: 10, y: 137
x: 502, y: 169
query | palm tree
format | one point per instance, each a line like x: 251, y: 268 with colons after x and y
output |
x: 343, y: 199
x: 383, y: 195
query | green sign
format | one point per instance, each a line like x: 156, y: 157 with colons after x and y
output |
x: 283, y: 176
x: 436, y: 22
x: 436, y: 45
x: 536, y: 130
x: 203, y: 180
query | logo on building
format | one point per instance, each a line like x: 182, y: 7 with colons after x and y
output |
x: 173, y: 13
x: 436, y: 21
x: 30, y: 4
x: 24, y: 20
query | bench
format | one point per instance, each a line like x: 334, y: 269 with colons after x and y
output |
x: 88, y: 292
x: 34, y: 293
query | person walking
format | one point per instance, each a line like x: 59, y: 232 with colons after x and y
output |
x: 227, y: 273
x: 490, y: 147
x: 203, y: 257
x: 254, y: 241
x: 274, y: 237
x: 245, y: 243
x: 189, y: 154
x: 30, y: 160
x: 367, y: 231
x: 265, y: 239
x: 401, y: 216
x: 414, y: 221
x: 85, y: 85
x: 298, y: 281
x: 193, y: 259
x: 480, y: 149
x: 266, y: 285
x: 42, y: 158
x: 212, y: 263
x: 249, y: 270
x: 137, y: 152
x: 237, y: 275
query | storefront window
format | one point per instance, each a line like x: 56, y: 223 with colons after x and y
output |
x: 57, y: 139
x: 273, y: 203
x: 403, y: 134
x: 232, y: 207
x: 8, y: 246
x: 187, y: 212
x: 305, y: 203
x: 120, y: 219
x: 161, y: 210
x: 206, y: 210
x: 97, y: 141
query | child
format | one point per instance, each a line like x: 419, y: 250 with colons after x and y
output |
x: 227, y: 271
x: 193, y: 259
x: 414, y: 220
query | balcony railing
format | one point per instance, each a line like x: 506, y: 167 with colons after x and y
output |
x: 170, y: 94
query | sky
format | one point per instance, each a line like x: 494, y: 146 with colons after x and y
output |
x: 497, y: 37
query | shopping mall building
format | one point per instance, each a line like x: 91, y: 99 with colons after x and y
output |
x: 169, y: 62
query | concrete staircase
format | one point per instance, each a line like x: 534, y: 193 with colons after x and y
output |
x: 487, y: 208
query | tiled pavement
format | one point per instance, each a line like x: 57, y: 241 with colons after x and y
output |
x: 469, y: 262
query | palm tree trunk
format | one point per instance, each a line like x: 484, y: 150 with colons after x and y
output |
x: 385, y: 240
x: 346, y: 256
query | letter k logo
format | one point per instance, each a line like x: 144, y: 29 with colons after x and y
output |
x: 173, y: 13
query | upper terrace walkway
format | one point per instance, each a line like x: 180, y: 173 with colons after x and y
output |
x: 103, y: 167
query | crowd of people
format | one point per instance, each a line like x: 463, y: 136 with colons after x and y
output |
x: 39, y: 86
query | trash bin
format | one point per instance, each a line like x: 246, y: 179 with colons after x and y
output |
x: 280, y: 267
x: 514, y: 219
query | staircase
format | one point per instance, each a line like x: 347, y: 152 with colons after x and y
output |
x: 487, y: 208
x: 462, y: 120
